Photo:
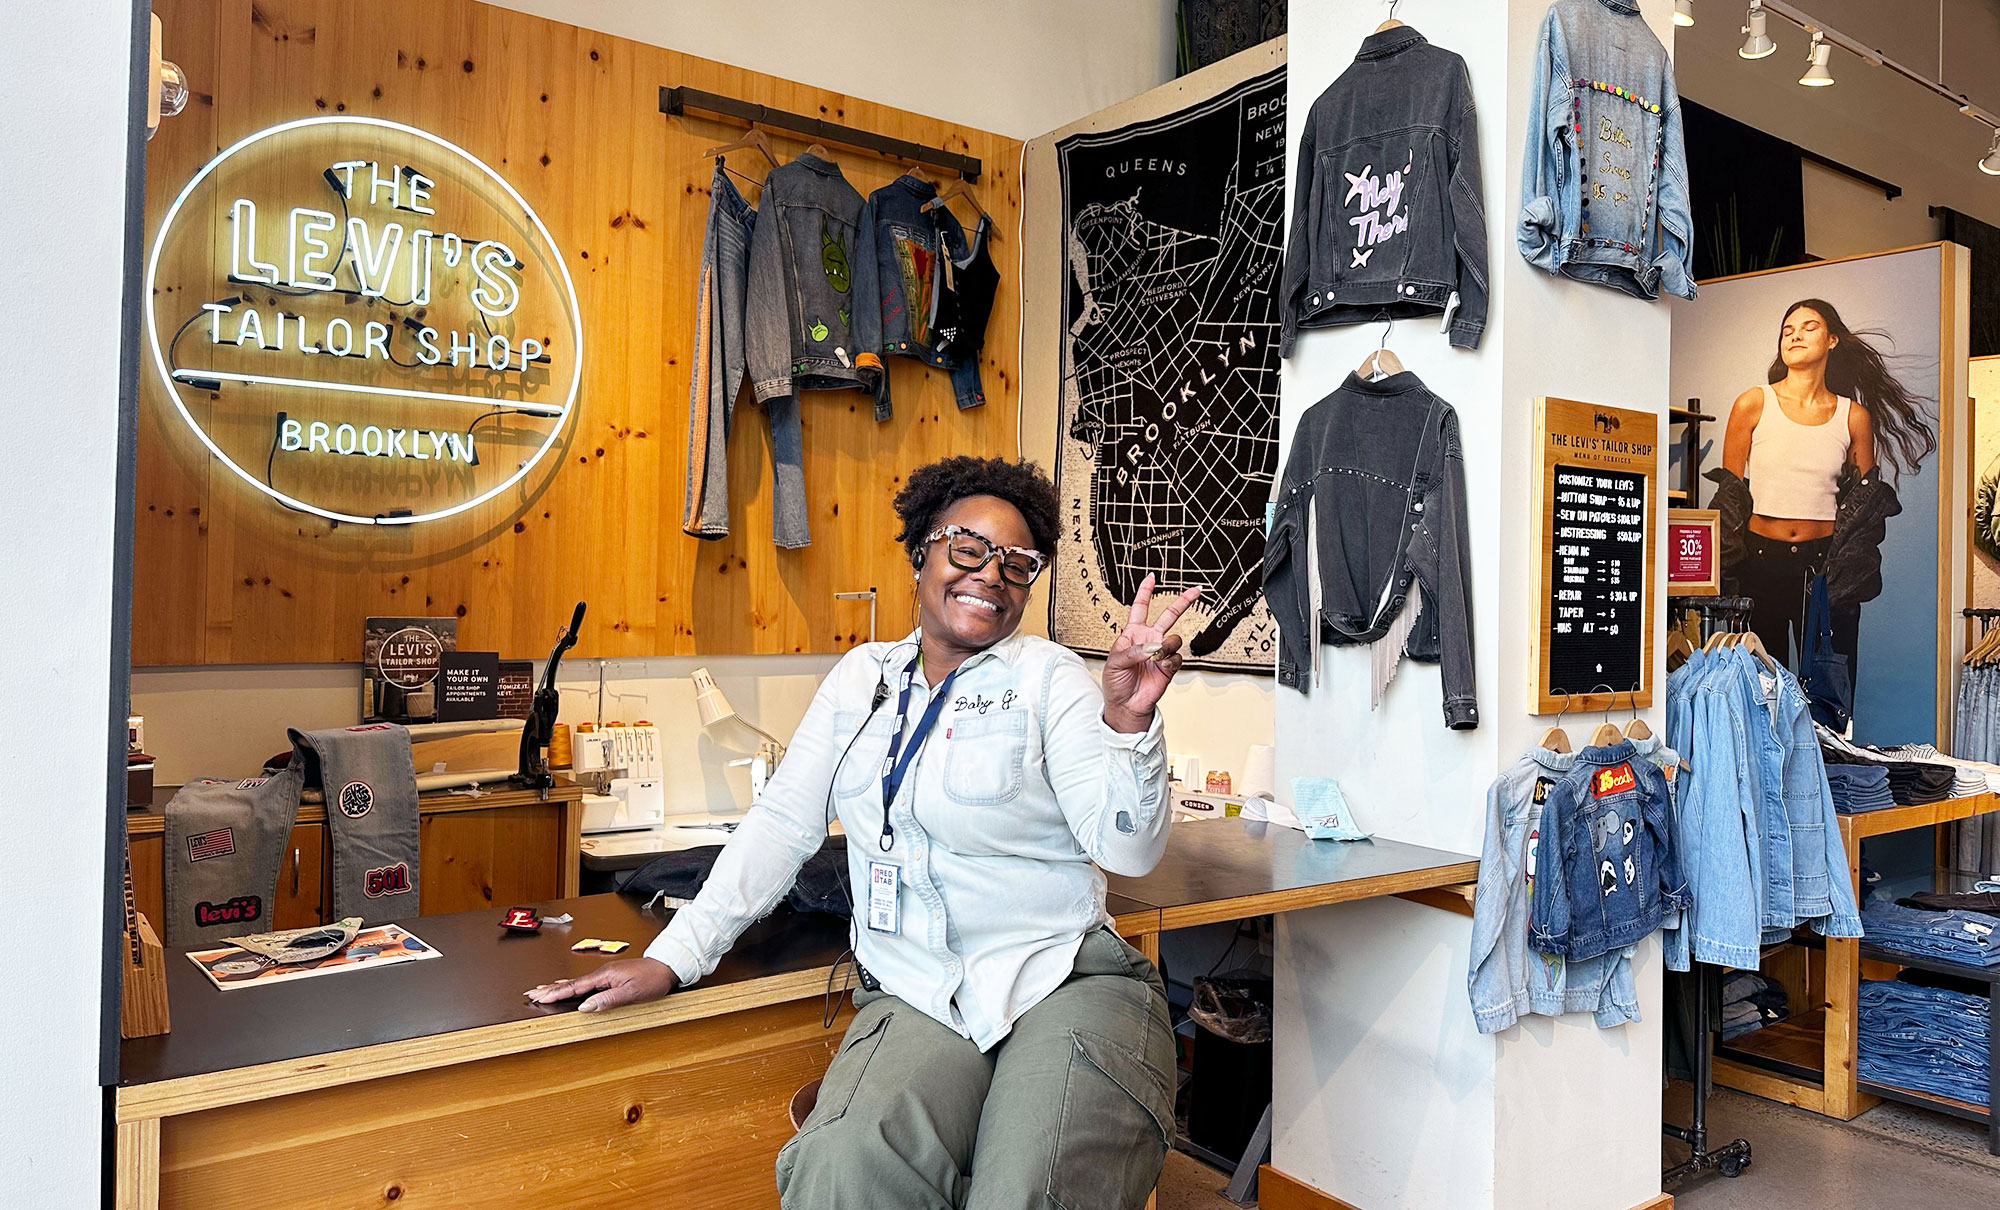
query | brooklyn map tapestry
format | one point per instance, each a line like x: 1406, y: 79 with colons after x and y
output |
x: 1167, y: 435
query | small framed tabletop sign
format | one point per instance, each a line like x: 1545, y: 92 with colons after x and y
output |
x: 1694, y: 552
x: 1595, y: 497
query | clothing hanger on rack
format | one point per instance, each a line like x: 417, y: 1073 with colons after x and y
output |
x: 1678, y: 648
x: 1755, y: 646
x: 753, y: 139
x: 1637, y: 728
x: 958, y: 188
x: 1607, y: 732
x: 1555, y: 739
x: 1381, y: 363
x: 819, y: 149
x: 1391, y: 23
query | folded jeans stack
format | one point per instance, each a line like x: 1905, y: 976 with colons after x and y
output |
x: 1859, y: 788
x: 1925, y: 1038
x: 1913, y: 779
x: 1751, y: 1001
x: 1986, y: 902
x: 1966, y: 938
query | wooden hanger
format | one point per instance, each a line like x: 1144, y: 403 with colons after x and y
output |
x: 958, y: 189
x: 1755, y: 646
x: 1391, y: 23
x: 1637, y: 728
x: 1678, y: 648
x: 819, y: 149
x: 1555, y: 739
x: 1982, y: 652
x: 1607, y: 732
x: 753, y: 138
x: 1715, y: 641
x: 1381, y: 363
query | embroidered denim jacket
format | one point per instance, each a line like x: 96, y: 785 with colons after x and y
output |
x: 908, y: 246
x: 1604, y: 185
x: 1607, y: 838
x: 799, y: 330
x: 1387, y: 216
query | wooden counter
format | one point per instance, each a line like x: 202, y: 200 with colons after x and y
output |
x: 435, y: 1084
x: 506, y: 846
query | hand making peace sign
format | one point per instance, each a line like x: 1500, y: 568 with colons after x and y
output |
x: 1134, y: 678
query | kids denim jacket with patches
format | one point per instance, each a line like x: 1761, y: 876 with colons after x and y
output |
x: 1609, y: 869
x: 1387, y: 216
x: 1604, y: 184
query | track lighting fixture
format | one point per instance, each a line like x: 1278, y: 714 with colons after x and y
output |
x: 1817, y: 76
x: 1990, y: 165
x: 1756, y: 42
x: 1683, y: 12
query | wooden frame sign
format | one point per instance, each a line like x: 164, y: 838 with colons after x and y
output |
x: 1595, y: 500
x: 1694, y: 552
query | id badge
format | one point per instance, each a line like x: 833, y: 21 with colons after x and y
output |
x: 884, y: 880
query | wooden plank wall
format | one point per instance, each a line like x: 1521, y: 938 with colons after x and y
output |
x: 570, y: 117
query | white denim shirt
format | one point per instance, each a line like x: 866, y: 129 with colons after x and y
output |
x: 1019, y: 788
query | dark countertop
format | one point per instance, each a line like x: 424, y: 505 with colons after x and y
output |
x: 1210, y: 867
x: 477, y: 980
x: 1215, y: 861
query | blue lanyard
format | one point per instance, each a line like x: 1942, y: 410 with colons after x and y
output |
x: 895, y: 767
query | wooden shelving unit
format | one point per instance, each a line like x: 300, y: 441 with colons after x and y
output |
x: 1811, y: 1060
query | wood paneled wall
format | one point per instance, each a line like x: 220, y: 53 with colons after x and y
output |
x: 570, y: 117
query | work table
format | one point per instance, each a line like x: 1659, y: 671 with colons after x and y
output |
x: 449, y: 1088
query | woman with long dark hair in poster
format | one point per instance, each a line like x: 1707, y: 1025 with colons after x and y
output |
x: 1801, y: 490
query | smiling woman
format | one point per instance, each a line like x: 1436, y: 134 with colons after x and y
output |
x: 995, y: 999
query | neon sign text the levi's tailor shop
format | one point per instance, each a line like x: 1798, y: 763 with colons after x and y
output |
x: 353, y: 286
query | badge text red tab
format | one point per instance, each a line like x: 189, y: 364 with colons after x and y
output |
x: 1616, y: 779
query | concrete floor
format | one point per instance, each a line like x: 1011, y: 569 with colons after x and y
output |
x: 1890, y: 1158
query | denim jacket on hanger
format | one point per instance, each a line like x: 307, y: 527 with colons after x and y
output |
x: 908, y: 246
x: 1604, y: 184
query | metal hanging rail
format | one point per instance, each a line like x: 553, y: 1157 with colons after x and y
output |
x: 682, y: 100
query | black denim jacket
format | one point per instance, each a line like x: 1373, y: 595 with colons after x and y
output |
x: 1374, y: 490
x: 1387, y: 221
x: 1862, y: 509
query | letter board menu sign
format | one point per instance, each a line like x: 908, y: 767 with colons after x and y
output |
x: 1595, y: 504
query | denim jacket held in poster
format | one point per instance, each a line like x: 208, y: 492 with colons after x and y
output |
x: 1373, y: 498
x: 909, y: 248
x: 800, y: 333
x: 1604, y: 184
x: 1609, y: 869
x: 1387, y: 217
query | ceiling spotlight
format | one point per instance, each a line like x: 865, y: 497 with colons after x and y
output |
x: 1817, y: 76
x: 1991, y: 164
x: 1756, y: 43
x: 1683, y: 12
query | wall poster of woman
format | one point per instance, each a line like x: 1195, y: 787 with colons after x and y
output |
x: 1835, y: 458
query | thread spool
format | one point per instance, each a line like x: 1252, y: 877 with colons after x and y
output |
x: 559, y: 747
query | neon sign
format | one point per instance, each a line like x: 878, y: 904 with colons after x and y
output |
x: 363, y: 321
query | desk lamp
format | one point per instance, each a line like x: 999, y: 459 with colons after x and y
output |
x: 714, y: 709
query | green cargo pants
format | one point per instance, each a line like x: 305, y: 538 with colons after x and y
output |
x: 1071, y: 1111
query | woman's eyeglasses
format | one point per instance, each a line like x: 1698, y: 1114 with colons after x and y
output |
x: 970, y: 551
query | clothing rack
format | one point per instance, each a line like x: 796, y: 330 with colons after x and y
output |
x: 680, y: 100
x: 1717, y: 613
x: 1985, y: 617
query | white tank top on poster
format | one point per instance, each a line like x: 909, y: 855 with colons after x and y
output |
x: 1795, y: 468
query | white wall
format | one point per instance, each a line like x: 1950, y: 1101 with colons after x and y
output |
x: 1015, y: 67
x: 65, y: 73
x: 1387, y: 1095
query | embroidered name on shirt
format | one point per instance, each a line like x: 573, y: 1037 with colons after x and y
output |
x: 1615, y: 780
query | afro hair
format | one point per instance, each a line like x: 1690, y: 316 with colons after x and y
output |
x: 932, y: 489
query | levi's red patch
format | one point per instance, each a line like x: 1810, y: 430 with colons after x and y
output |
x: 1614, y: 780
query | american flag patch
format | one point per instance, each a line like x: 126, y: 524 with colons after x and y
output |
x: 219, y: 843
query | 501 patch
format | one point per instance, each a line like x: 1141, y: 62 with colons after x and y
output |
x: 389, y: 880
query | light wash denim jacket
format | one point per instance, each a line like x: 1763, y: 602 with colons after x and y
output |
x: 1761, y: 835
x: 1505, y: 978
x: 1604, y: 184
x: 1019, y: 788
x: 1607, y: 840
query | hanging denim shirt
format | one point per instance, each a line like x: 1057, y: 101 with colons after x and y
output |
x: 1505, y: 978
x: 1822, y: 886
x: 1607, y: 830
x: 1604, y: 186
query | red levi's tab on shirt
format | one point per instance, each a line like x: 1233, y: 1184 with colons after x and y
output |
x: 1614, y: 780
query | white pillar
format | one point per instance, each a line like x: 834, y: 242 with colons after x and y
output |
x: 1385, y: 1096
